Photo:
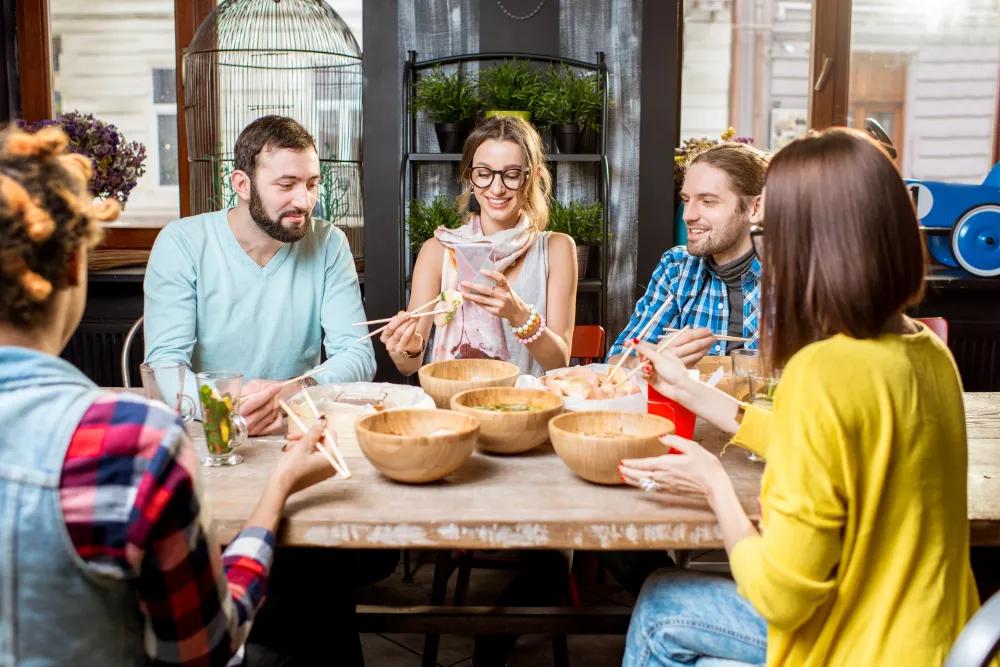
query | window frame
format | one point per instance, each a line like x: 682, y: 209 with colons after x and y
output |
x: 35, y: 89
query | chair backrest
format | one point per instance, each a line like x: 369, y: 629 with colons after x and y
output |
x: 126, y: 352
x: 938, y: 325
x: 979, y: 640
x: 588, y: 343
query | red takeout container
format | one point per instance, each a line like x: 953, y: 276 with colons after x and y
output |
x: 683, y: 419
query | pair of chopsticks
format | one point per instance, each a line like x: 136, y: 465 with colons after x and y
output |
x: 731, y: 339
x: 662, y: 346
x: 388, y: 319
x: 629, y: 347
x: 327, y: 446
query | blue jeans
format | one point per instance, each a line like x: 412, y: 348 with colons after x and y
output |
x: 690, y: 618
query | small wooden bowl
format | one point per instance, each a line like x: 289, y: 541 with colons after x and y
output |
x: 443, y: 379
x: 509, y: 432
x: 403, y: 444
x: 596, y: 457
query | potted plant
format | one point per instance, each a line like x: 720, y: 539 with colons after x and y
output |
x: 425, y: 217
x: 118, y: 164
x: 582, y: 222
x: 570, y: 104
x: 452, y: 101
x: 511, y: 88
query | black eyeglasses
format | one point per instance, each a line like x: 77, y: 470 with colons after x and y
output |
x: 757, y: 238
x: 482, y: 177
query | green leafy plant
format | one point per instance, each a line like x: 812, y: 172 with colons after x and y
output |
x: 582, y: 222
x: 424, y: 218
x: 447, y: 98
x: 691, y: 146
x: 569, y: 98
x: 512, y: 86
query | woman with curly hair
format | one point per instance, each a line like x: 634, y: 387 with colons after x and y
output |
x: 106, y: 559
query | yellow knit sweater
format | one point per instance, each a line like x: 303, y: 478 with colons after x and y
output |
x: 864, y: 553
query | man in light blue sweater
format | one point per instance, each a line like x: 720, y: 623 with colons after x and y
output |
x: 259, y: 287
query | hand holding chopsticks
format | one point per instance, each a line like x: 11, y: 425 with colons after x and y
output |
x: 327, y: 447
x: 418, y: 312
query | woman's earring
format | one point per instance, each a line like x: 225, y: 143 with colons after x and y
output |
x: 473, y: 202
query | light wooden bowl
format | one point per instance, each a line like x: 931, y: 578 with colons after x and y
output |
x: 443, y: 379
x: 403, y: 444
x: 596, y: 457
x: 509, y: 432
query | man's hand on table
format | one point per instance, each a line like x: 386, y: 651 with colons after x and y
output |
x: 259, y: 405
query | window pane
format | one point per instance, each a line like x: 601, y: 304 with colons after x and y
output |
x: 927, y: 72
x: 746, y: 66
x: 116, y: 60
x: 164, y: 86
x: 166, y: 133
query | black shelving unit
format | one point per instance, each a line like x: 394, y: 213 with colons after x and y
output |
x: 589, y: 287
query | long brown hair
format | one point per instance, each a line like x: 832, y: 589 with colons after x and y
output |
x: 842, y: 249
x: 47, y: 213
x: 533, y: 196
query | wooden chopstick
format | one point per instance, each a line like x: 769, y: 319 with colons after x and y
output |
x: 389, y: 319
x: 382, y: 328
x: 412, y: 312
x: 731, y: 339
x: 331, y: 439
x: 319, y: 445
x: 651, y: 324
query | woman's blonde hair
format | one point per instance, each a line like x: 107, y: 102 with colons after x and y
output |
x: 533, y: 196
x: 47, y: 213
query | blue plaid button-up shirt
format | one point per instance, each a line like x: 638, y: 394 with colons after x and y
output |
x: 685, y: 292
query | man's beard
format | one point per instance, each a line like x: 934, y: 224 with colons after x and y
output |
x: 725, y: 238
x: 272, y: 227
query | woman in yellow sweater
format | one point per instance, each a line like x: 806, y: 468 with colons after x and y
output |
x: 862, y: 554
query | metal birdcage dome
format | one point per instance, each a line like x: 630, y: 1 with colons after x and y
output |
x: 297, y: 58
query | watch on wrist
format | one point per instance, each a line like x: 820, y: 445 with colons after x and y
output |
x: 417, y: 353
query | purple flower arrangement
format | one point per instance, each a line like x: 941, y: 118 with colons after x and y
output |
x: 691, y: 147
x: 118, y: 164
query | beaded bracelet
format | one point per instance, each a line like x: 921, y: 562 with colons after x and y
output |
x: 535, y: 336
x: 528, y: 324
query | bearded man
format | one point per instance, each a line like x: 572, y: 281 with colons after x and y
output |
x: 261, y: 286
x: 711, y: 287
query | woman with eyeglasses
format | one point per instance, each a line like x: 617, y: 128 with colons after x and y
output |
x: 862, y: 556
x: 519, y: 301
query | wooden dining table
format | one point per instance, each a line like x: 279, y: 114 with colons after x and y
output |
x: 532, y: 500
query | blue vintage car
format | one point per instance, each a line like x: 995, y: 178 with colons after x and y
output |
x: 961, y: 221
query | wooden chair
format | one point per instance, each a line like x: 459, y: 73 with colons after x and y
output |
x: 938, y: 325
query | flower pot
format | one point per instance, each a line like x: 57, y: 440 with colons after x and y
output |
x: 582, y: 260
x: 451, y: 136
x: 567, y: 137
x: 500, y: 113
x: 588, y: 140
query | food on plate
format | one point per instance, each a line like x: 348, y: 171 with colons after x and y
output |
x: 581, y: 382
x: 501, y: 406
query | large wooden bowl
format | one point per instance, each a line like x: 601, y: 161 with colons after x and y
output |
x: 509, y: 432
x: 575, y: 437
x: 417, y: 446
x: 443, y: 379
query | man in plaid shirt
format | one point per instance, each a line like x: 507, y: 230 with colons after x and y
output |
x: 711, y: 287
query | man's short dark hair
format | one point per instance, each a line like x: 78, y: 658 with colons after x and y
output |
x: 269, y: 133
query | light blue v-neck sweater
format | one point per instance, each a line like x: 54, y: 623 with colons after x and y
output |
x: 210, y: 305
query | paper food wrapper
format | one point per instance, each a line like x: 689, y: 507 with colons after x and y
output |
x: 635, y: 402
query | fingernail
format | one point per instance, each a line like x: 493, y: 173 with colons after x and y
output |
x: 635, y: 341
x: 284, y: 447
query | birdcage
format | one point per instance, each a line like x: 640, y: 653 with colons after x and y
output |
x: 297, y: 58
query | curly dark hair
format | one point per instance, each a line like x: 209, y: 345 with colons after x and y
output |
x: 46, y: 214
